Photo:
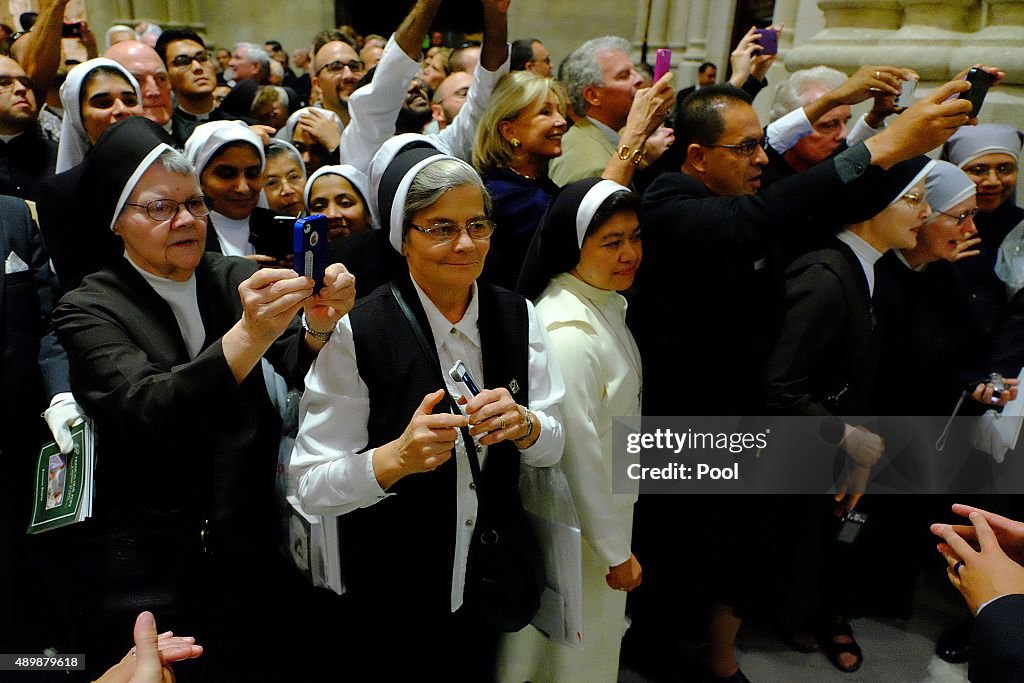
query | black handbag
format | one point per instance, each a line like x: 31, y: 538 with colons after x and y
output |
x: 505, y: 572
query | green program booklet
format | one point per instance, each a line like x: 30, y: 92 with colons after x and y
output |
x: 63, y: 482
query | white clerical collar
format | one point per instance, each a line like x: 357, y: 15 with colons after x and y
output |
x: 612, y: 135
x: 441, y: 327
x: 865, y: 253
x: 8, y: 138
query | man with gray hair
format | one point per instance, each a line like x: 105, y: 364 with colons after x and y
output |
x: 818, y: 101
x: 602, y: 84
x: 249, y: 61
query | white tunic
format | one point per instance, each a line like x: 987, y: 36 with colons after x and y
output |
x: 601, y: 366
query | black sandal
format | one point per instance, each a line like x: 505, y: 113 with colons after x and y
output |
x: 829, y: 633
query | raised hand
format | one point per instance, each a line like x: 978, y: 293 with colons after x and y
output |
x: 980, y: 575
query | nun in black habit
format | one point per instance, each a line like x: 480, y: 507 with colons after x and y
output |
x: 165, y: 345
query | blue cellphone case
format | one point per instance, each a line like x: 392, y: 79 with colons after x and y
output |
x: 311, y: 248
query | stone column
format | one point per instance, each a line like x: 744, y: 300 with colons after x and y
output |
x: 950, y: 15
x: 785, y: 14
x: 697, y: 31
x: 658, y: 35
x: 678, y: 21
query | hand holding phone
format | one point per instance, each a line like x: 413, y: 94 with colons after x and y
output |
x: 980, y: 81
x: 769, y: 40
x: 662, y: 63
x: 464, y: 380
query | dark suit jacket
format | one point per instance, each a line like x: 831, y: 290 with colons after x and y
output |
x: 997, y: 643
x: 710, y: 291
x: 33, y: 366
x: 24, y: 162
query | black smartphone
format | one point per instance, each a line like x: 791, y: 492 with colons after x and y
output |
x: 850, y: 525
x: 71, y: 30
x: 980, y: 81
x: 273, y: 237
x: 769, y: 41
x: 311, y: 248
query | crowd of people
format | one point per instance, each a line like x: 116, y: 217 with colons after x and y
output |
x: 518, y: 254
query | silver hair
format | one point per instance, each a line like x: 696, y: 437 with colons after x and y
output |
x: 793, y: 93
x: 257, y: 55
x: 581, y: 70
x: 278, y: 148
x: 437, y: 178
x: 173, y: 161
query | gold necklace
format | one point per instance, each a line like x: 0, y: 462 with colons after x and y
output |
x: 520, y: 174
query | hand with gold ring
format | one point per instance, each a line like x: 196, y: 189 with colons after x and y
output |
x: 496, y: 416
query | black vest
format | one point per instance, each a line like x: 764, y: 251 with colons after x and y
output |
x: 401, y: 548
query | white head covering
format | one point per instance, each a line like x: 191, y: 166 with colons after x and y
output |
x: 970, y: 142
x: 74, y: 141
x: 947, y: 186
x: 207, y: 139
x: 383, y: 158
x: 288, y: 131
x: 358, y: 180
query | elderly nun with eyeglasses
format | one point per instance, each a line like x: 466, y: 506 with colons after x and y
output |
x: 422, y: 468
x: 165, y: 348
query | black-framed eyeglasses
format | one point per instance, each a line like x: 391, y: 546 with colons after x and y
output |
x: 336, y: 67
x: 748, y: 148
x: 182, y: 61
x: 442, y: 233
x: 166, y: 209
x: 959, y: 219
x: 7, y: 82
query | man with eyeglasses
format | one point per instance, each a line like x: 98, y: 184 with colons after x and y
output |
x: 376, y: 106
x: 25, y: 156
x: 529, y: 54
x: 336, y: 71
x: 193, y: 78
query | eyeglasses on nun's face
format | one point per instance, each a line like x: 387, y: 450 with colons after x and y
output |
x: 166, y: 209
x: 442, y: 233
x: 971, y: 213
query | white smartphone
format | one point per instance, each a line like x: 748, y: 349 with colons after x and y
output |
x: 464, y: 380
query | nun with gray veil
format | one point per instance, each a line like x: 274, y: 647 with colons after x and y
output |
x: 419, y: 468
x: 165, y: 346
x: 585, y: 252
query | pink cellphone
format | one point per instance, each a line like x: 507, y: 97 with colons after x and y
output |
x: 662, y: 63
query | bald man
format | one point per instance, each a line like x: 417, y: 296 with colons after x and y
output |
x: 145, y: 64
x: 449, y: 98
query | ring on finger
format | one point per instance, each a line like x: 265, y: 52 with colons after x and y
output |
x: 501, y: 422
x: 957, y: 566
x: 878, y: 75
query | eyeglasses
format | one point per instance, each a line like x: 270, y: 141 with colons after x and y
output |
x: 182, y: 61
x: 7, y: 82
x: 914, y: 199
x: 336, y: 67
x: 748, y: 148
x: 959, y: 219
x: 166, y: 209
x: 982, y: 170
x: 446, y: 232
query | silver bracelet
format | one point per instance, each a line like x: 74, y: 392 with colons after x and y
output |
x: 322, y: 336
x: 529, y: 422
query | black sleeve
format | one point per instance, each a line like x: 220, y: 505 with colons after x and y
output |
x: 997, y: 643
x: 815, y: 311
